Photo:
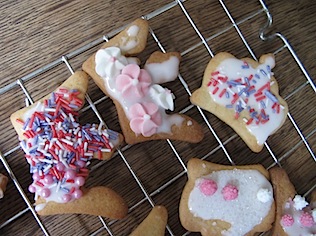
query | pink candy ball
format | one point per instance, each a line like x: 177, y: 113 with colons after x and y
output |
x: 287, y: 220
x: 48, y: 179
x: 80, y: 163
x: 45, y: 192
x: 60, y: 166
x: 208, y: 187
x: 36, y: 176
x: 77, y: 193
x: 70, y: 174
x: 80, y: 181
x: 306, y: 219
x: 32, y: 188
x: 230, y: 192
x: 66, y: 197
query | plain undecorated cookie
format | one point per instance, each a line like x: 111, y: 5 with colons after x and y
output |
x: 136, y: 92
x: 245, y: 95
x: 154, y: 224
x: 216, y: 195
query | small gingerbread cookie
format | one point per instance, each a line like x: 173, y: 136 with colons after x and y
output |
x: 140, y: 100
x: 154, y: 224
x: 244, y: 94
x: 294, y: 215
x: 59, y: 150
x: 3, y: 184
x: 226, y: 200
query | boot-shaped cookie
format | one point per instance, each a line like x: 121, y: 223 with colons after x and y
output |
x: 244, y: 94
x: 140, y: 100
x: 58, y: 150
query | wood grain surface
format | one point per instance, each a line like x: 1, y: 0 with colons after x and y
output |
x: 36, y: 33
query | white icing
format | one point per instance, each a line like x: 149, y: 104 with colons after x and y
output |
x: 109, y: 62
x: 40, y: 207
x: 165, y: 71
x: 133, y: 31
x: 299, y: 202
x: 314, y: 214
x: 130, y: 42
x: 109, y: 80
x: 291, y: 208
x: 244, y: 212
x: 39, y: 108
x: 233, y: 69
x: 162, y: 96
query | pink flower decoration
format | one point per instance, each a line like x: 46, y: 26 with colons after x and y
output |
x: 287, y: 220
x: 306, y: 219
x: 230, y: 192
x: 145, y: 118
x: 208, y: 187
x: 133, y: 81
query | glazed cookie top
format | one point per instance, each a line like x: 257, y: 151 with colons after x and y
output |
x: 58, y: 148
x: 237, y: 85
x: 240, y: 197
x: 138, y: 91
x: 299, y: 217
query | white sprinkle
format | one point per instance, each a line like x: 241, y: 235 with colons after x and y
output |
x: 47, y: 168
x: 58, y: 186
x: 46, y: 161
x: 64, y: 162
x: 89, y: 154
x: 59, y: 144
x: 50, y: 109
x: 244, y: 105
x: 85, y: 146
x: 67, y: 141
x: 105, y: 133
x: 105, y: 150
x: 189, y: 123
x: 229, y: 90
x: 71, y: 117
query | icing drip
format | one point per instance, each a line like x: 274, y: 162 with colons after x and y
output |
x: 134, y: 89
x: 58, y: 148
x: 244, y: 211
x: 297, y: 218
x: 236, y: 85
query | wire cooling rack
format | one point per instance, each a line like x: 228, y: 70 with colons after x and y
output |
x: 275, y: 153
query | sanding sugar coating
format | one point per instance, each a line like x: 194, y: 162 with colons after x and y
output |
x: 244, y: 212
x: 58, y: 148
x: 236, y: 85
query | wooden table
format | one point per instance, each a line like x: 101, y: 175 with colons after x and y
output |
x: 35, y: 34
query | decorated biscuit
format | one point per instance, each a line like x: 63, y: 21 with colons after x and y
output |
x: 294, y: 215
x: 226, y: 200
x: 154, y: 224
x: 59, y: 151
x: 3, y: 184
x: 140, y: 100
x: 244, y: 94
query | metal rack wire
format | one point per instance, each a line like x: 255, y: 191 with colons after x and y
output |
x: 148, y: 196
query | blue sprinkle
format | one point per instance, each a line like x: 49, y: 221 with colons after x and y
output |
x: 227, y: 94
x: 247, y: 81
x: 271, y: 96
x: 233, y: 83
x: 263, y: 104
x: 244, y: 66
x: 229, y: 106
x: 26, y: 123
x: 66, y: 190
x: 251, y: 92
x: 268, y: 68
x: 263, y: 72
x: 254, y: 81
x: 257, y: 76
x: 73, y: 106
x: 241, y: 92
x: 73, y: 90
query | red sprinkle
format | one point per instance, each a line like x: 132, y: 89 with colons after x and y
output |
x: 222, y: 93
x: 214, y: 73
x: 20, y: 121
x: 235, y: 98
x: 215, y: 90
x: 260, y: 98
x: 249, y: 121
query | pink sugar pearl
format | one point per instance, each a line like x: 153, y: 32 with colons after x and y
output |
x: 36, y: 176
x: 80, y: 181
x: 230, y: 192
x: 306, y: 219
x: 45, y: 192
x: 208, y: 187
x: 66, y: 197
x: 77, y: 193
x: 32, y: 189
x: 287, y: 220
x: 70, y: 174
x: 60, y: 166
x: 48, y: 179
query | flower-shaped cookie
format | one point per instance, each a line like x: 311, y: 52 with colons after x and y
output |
x: 145, y: 118
x: 133, y: 81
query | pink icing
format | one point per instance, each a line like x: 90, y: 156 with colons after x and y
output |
x: 287, y: 220
x: 208, y: 187
x: 230, y: 192
x: 133, y: 81
x: 144, y: 118
x: 306, y: 219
